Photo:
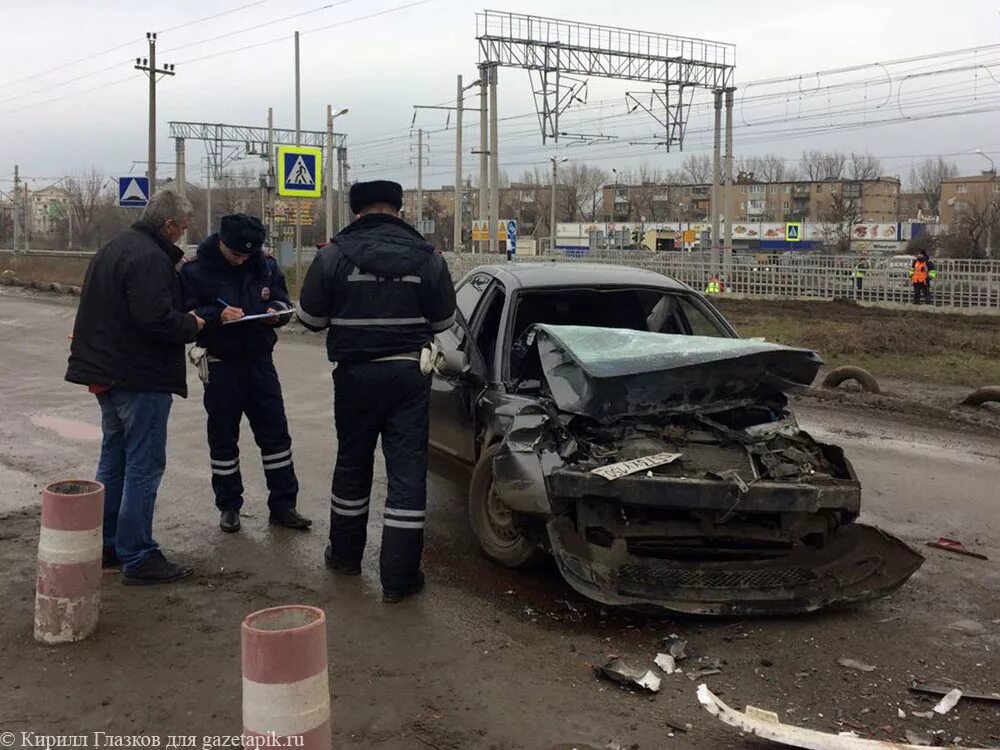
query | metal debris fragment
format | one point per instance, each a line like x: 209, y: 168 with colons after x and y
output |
x: 953, y: 545
x: 900, y: 713
x: 923, y: 714
x: 666, y: 662
x: 620, y: 672
x: 855, y: 664
x: 921, y: 740
x: 678, y: 650
x: 928, y: 689
x: 948, y: 702
x: 766, y: 725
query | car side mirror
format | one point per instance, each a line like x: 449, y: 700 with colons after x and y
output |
x: 453, y: 363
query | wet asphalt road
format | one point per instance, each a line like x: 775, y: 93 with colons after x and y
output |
x: 487, y: 657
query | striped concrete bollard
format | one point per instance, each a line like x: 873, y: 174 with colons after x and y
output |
x: 68, y: 587
x: 286, y: 690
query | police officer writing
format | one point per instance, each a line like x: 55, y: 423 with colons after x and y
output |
x: 231, y: 279
x: 383, y: 292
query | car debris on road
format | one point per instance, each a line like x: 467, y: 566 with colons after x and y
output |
x: 766, y: 725
x: 855, y: 664
x: 618, y: 671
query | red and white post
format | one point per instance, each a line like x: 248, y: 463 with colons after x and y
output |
x: 68, y: 587
x: 286, y: 689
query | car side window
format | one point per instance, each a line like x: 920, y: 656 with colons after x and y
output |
x: 698, y: 322
x: 470, y: 294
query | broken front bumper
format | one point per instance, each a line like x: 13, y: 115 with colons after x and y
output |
x: 858, y: 563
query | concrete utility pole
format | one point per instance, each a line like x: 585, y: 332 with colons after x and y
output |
x: 17, y: 213
x: 420, y: 175
x: 728, y: 195
x: 270, y: 176
x: 180, y: 175
x: 456, y: 241
x: 148, y: 66
x: 344, y: 206
x: 494, y: 214
x: 555, y: 181
x: 716, y: 179
x: 484, y: 150
x: 298, y: 201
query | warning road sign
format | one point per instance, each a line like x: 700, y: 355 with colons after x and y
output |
x: 300, y: 171
x: 133, y: 192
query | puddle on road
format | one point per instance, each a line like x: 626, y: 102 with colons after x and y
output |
x: 71, y: 429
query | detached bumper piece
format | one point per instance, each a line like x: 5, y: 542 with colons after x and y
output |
x: 858, y: 563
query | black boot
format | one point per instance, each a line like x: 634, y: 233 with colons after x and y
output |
x: 347, y: 569
x: 154, y: 569
x: 290, y: 519
x: 394, y: 596
x: 229, y: 521
x: 109, y: 558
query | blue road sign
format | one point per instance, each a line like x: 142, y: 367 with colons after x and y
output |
x: 300, y: 172
x: 133, y: 192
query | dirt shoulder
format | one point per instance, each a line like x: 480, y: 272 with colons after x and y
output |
x: 945, y: 349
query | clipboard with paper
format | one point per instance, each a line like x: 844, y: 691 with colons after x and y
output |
x: 261, y: 316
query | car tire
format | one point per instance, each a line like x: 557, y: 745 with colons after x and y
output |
x: 494, y: 525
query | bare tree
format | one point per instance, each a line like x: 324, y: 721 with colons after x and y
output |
x: 698, y: 169
x: 979, y: 224
x: 864, y: 167
x: 823, y: 165
x: 585, y: 184
x: 237, y: 191
x: 88, y: 203
x: 839, y: 219
x: 926, y: 178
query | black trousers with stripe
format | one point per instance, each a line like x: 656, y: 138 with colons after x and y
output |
x: 391, y: 400
x: 251, y: 387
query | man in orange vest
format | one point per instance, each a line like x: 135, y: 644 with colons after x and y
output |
x: 921, y: 274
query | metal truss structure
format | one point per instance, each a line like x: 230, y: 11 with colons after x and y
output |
x: 557, y: 52
x: 227, y: 143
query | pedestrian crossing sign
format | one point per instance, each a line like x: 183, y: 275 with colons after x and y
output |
x: 300, y: 171
x: 793, y: 232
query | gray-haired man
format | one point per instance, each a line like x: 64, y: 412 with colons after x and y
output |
x: 128, y: 347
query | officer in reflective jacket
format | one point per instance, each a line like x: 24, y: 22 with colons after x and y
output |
x: 230, y: 279
x: 383, y: 292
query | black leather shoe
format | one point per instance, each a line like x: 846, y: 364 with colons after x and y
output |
x: 338, y: 566
x: 394, y: 596
x: 229, y: 521
x: 109, y: 558
x: 290, y: 519
x: 154, y: 569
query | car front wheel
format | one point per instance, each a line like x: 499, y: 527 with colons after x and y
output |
x: 494, y: 525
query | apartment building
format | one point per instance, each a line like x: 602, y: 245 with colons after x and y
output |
x: 530, y: 204
x: 959, y: 194
x: 755, y: 201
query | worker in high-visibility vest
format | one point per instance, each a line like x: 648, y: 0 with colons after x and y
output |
x: 860, y: 271
x: 921, y: 274
x: 714, y: 285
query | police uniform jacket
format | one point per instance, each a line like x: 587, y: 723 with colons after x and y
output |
x: 381, y: 289
x: 254, y: 286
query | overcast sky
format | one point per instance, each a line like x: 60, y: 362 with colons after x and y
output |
x: 52, y: 125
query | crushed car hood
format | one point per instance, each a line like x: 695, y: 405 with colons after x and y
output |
x: 610, y: 373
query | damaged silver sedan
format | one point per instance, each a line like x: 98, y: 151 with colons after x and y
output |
x: 615, y: 421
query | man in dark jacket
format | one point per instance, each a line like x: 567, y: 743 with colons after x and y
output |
x: 383, y: 293
x: 231, y: 279
x: 128, y: 347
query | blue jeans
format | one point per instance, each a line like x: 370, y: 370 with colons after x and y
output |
x: 133, y: 458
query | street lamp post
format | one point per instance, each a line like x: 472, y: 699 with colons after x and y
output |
x: 330, y: 117
x: 993, y: 167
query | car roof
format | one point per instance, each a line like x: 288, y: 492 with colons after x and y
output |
x: 539, y: 275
